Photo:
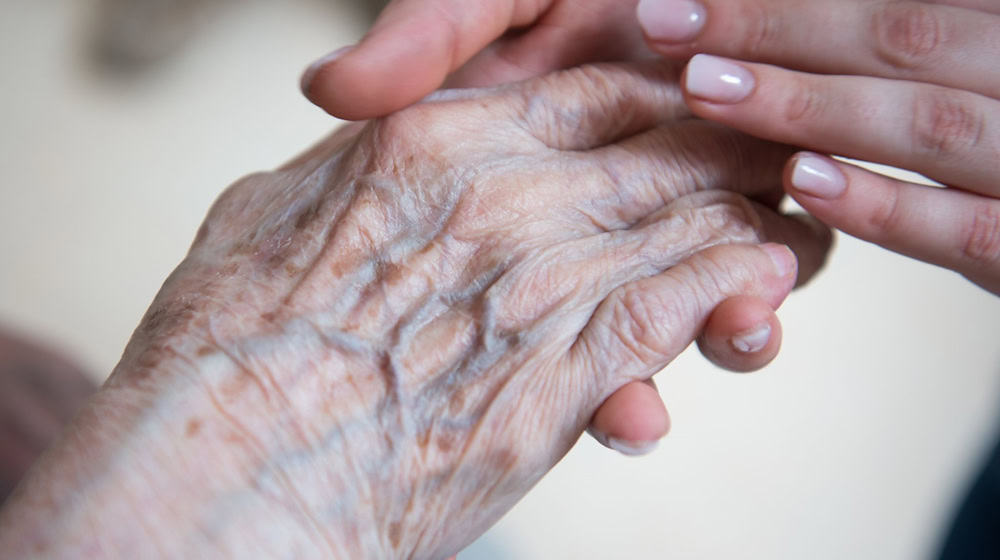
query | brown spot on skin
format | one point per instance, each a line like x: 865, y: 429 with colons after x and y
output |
x: 291, y: 269
x: 395, y: 534
x: 445, y: 443
x: 205, y: 351
x: 268, y: 317
x: 193, y: 427
x: 308, y: 216
x: 424, y: 439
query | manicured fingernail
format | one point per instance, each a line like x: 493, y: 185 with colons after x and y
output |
x: 631, y: 448
x: 817, y: 176
x: 717, y: 79
x: 671, y: 21
x: 753, y: 339
x: 782, y: 257
x: 310, y: 73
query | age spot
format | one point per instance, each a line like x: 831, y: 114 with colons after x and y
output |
x: 193, y: 427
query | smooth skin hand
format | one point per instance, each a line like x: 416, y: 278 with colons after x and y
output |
x: 909, y: 84
x: 417, y: 46
x: 375, y: 351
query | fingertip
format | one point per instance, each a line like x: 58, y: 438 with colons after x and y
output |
x: 742, y: 334
x: 309, y: 75
x: 356, y: 85
x: 632, y: 420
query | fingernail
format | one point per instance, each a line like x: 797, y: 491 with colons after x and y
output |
x: 671, y: 21
x: 753, y: 339
x: 782, y: 257
x: 310, y: 73
x: 717, y: 80
x: 631, y: 448
x: 817, y: 176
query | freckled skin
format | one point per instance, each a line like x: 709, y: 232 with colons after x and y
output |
x: 377, y: 350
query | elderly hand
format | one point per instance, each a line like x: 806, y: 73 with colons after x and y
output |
x: 417, y: 46
x: 909, y: 84
x: 377, y: 350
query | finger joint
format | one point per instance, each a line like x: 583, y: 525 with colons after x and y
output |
x: 981, y: 238
x: 907, y: 34
x: 764, y: 30
x: 946, y: 125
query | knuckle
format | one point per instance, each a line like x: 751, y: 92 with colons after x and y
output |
x: 981, y: 237
x: 887, y: 214
x: 946, y: 124
x: 640, y: 323
x: 805, y: 104
x: 907, y: 34
x: 411, y: 124
x: 763, y: 31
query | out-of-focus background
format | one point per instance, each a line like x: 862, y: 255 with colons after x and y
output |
x: 856, y: 443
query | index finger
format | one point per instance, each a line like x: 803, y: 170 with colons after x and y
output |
x: 409, y: 52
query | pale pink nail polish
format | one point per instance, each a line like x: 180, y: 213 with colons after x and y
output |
x: 310, y: 73
x: 671, y: 21
x: 717, y: 80
x: 817, y: 176
x: 753, y: 339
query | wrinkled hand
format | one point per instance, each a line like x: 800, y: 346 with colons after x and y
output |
x: 911, y: 84
x: 416, y: 46
x: 376, y: 351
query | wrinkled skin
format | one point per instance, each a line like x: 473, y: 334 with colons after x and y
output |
x: 377, y: 350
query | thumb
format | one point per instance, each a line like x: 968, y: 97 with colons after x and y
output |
x: 409, y: 52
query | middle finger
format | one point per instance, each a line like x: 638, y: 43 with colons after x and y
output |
x: 948, y: 135
x: 941, y: 44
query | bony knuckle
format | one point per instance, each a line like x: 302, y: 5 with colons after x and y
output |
x: 981, y: 238
x: 639, y: 325
x: 907, y: 34
x: 946, y: 124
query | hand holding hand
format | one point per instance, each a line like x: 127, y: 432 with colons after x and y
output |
x: 377, y: 350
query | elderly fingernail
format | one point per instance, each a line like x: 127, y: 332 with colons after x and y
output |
x: 753, y: 339
x: 717, y: 80
x: 817, y: 176
x: 314, y: 68
x: 782, y: 257
x: 671, y: 21
x: 631, y: 448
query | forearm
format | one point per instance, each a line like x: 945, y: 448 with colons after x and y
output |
x: 178, y: 463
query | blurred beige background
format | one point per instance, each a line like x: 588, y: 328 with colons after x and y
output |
x: 856, y: 443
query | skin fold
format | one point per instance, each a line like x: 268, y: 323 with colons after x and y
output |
x: 375, y: 351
